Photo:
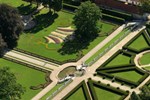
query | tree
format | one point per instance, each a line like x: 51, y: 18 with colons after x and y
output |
x: 2, y: 46
x: 49, y: 3
x: 86, y: 19
x: 57, y: 5
x: 145, y: 94
x: 11, y: 25
x: 145, y: 5
x: 9, y: 88
x: 135, y: 96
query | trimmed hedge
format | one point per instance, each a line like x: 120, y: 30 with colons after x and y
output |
x: 115, y: 67
x: 147, y: 37
x: 42, y: 86
x: 91, y: 89
x: 69, y: 7
x: 48, y: 59
x: 118, y: 79
x: 81, y: 85
x: 112, y: 18
x: 115, y: 55
x: 91, y: 84
x: 118, y: 14
x: 25, y: 64
x: 126, y: 46
x: 145, y: 75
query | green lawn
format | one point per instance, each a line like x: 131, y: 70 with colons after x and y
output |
x: 25, y: 76
x: 148, y: 68
x: 29, y: 41
x: 119, y: 60
x: 77, y: 95
x: 103, y: 94
x: 51, y: 91
x: 145, y: 59
x: 128, y: 75
x: 105, y: 46
x: 139, y: 43
x: 34, y: 42
x: 14, y: 3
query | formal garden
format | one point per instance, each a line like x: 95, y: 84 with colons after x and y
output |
x: 119, y: 68
x: 48, y: 40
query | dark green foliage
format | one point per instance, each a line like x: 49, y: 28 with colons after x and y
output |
x: 145, y: 5
x: 134, y: 96
x: 2, y: 45
x: 57, y: 5
x: 113, y: 18
x: 9, y: 88
x: 86, y: 21
x: 107, y: 87
x: 11, y: 25
x: 81, y: 85
x: 69, y: 7
x: 116, y: 13
x: 145, y: 95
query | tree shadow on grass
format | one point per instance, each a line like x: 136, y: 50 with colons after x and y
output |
x: 25, y: 10
x: 43, y: 21
x: 75, y: 46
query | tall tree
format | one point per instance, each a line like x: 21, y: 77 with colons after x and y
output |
x: 11, y: 25
x: 2, y: 46
x: 86, y: 19
x: 57, y: 5
x: 9, y: 88
x: 145, y: 94
x: 135, y: 96
x: 145, y: 5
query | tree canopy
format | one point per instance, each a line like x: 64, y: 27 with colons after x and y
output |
x: 144, y: 95
x: 11, y: 26
x: 86, y: 19
x: 9, y: 88
x: 145, y: 5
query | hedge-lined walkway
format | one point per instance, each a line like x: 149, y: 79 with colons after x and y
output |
x: 54, y: 73
x: 91, y: 70
x: 31, y: 60
x: 101, y: 44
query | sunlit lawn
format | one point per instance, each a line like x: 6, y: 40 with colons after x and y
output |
x: 119, y: 60
x: 139, y: 43
x: 145, y: 59
x: 103, y: 94
x: 128, y: 75
x: 26, y: 77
